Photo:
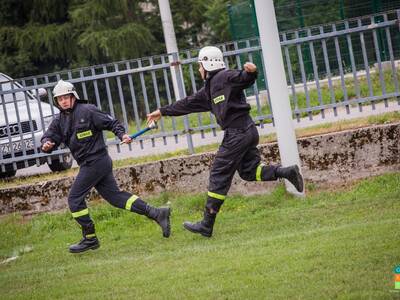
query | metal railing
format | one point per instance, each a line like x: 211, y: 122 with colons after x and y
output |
x: 328, y: 66
x: 349, y: 47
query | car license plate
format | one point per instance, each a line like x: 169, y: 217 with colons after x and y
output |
x: 16, y: 146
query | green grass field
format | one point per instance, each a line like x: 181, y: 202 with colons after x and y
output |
x: 339, y: 243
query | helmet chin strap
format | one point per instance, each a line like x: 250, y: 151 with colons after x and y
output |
x: 205, y: 72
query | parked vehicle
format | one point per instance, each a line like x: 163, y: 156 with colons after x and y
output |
x: 23, y: 120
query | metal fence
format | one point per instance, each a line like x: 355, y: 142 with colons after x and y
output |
x: 347, y: 70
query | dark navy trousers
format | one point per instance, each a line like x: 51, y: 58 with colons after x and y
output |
x: 98, y: 174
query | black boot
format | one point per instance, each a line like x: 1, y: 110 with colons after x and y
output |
x: 204, y: 227
x: 291, y: 173
x: 161, y: 216
x: 89, y: 241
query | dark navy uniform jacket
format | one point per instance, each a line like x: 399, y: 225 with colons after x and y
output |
x: 223, y: 95
x: 81, y: 130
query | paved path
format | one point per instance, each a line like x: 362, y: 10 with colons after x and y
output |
x: 209, y: 138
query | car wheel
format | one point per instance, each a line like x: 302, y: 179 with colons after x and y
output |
x: 7, y: 174
x: 65, y: 164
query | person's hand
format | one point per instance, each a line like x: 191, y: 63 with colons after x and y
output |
x: 47, y: 146
x: 249, y: 67
x: 153, y: 117
x: 126, y: 139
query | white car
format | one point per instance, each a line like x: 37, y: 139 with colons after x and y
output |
x: 22, y: 111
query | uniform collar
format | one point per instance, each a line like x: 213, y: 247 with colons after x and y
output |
x: 212, y: 74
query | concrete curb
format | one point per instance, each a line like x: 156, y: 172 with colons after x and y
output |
x: 334, y: 158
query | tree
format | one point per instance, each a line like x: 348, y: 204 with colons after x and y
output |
x: 45, y: 35
x: 110, y: 30
x: 196, y: 22
x: 42, y: 36
x: 218, y: 21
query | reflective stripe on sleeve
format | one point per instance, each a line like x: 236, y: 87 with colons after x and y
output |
x: 130, y: 201
x: 80, y: 213
x: 216, y: 196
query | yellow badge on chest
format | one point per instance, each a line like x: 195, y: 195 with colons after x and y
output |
x: 219, y: 99
x: 84, y: 134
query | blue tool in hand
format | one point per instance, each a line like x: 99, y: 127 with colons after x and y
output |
x: 133, y: 136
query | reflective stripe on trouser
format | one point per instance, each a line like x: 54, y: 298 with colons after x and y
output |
x: 258, y: 171
x: 214, y: 201
x: 216, y: 196
x: 266, y: 173
x: 129, y: 202
x: 80, y: 213
x: 83, y: 218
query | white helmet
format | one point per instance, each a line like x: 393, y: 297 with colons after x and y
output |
x: 64, y: 88
x: 211, y: 58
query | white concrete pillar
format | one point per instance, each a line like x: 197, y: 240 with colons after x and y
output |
x: 275, y: 72
x: 170, y: 40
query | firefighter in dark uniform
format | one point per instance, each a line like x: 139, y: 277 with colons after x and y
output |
x: 80, y: 126
x: 223, y: 95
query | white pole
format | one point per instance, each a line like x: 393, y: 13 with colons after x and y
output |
x: 176, y: 69
x: 275, y: 72
x: 170, y: 40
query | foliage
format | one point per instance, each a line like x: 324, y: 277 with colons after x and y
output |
x: 218, y: 20
x: 43, y: 36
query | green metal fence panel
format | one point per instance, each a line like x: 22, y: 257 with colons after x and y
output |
x: 243, y: 25
x: 296, y: 14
